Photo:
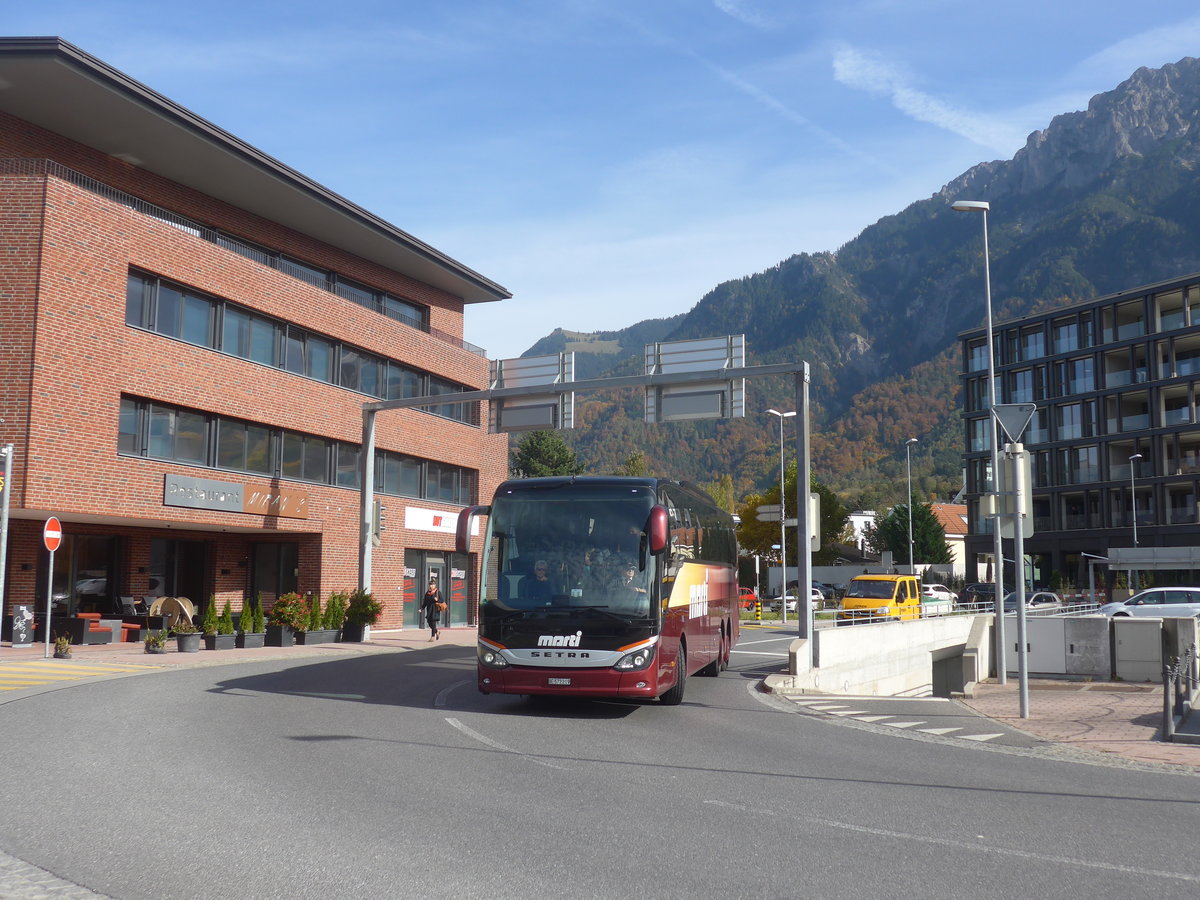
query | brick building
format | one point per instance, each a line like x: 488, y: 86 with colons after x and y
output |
x: 190, y: 330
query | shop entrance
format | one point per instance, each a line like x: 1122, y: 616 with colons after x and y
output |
x: 449, y: 571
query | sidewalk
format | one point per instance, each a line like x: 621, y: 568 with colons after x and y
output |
x: 135, y: 653
x: 1119, y: 718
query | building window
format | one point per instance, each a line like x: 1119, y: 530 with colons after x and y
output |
x: 977, y: 359
x: 1033, y: 343
x: 1066, y: 335
x: 164, y: 432
x: 157, y: 305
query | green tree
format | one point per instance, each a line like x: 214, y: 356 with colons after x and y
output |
x: 889, y: 531
x: 543, y: 453
x: 722, y: 492
x: 634, y: 465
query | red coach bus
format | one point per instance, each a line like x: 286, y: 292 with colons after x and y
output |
x: 603, y: 587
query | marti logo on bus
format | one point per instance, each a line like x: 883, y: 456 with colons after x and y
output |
x: 560, y: 640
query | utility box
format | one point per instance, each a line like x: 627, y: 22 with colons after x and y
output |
x: 1137, y: 648
x: 1045, y: 636
x: 1089, y: 647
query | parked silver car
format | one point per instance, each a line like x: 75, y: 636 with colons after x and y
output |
x: 1039, y: 600
x: 1171, y: 602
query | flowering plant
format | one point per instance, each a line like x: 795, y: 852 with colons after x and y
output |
x: 290, y: 611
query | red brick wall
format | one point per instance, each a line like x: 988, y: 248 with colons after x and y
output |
x: 66, y: 371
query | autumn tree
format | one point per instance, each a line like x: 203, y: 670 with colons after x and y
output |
x: 758, y: 537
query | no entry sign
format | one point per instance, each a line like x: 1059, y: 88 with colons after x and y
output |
x: 52, y: 534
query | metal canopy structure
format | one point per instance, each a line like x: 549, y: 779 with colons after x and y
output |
x: 659, y: 381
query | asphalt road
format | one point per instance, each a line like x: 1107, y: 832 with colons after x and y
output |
x: 389, y: 775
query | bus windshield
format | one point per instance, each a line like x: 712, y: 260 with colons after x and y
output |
x: 569, y: 545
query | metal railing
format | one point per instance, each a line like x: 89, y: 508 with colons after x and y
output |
x: 37, y: 167
x: 1181, y: 682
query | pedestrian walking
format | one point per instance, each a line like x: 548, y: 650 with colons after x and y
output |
x: 433, y: 607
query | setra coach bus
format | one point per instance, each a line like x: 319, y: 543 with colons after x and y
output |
x: 603, y: 587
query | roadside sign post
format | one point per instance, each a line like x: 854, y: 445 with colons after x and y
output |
x: 52, y: 537
x: 5, y: 492
x: 1016, y: 451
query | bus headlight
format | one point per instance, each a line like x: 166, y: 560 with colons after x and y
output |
x: 883, y: 612
x: 636, y: 660
x: 491, y: 657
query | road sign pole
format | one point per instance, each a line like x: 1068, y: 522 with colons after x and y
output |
x: 51, y: 537
x: 1017, y: 451
x: 5, y: 493
x: 49, y: 596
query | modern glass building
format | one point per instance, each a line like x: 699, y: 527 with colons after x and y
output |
x: 1115, y: 439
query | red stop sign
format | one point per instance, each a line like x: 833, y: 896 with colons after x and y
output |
x: 52, y: 534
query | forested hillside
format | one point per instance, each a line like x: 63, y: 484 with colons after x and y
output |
x: 1101, y: 201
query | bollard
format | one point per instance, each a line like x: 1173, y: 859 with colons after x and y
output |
x: 757, y: 610
x: 1168, y: 725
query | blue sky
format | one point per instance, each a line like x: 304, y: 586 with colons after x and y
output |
x: 613, y: 160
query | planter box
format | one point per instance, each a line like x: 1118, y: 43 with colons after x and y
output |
x: 188, y: 643
x: 280, y: 636
x: 308, y: 638
x: 356, y: 633
x: 156, y: 649
x: 220, y: 641
x: 252, y: 640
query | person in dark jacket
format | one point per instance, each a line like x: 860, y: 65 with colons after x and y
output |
x: 429, y: 606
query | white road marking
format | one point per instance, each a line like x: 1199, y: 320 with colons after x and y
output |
x: 846, y: 712
x: 439, y: 702
x: 939, y: 730
x: 903, y: 724
x: 496, y: 745
x: 981, y: 737
x: 872, y: 718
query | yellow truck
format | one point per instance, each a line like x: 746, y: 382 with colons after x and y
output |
x: 880, y: 598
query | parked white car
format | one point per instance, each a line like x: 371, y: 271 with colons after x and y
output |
x: 1170, y: 602
x: 932, y: 605
x: 938, y: 592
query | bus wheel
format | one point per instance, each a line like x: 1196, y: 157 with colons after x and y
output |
x: 674, y: 694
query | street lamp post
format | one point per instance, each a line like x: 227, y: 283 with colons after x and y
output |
x: 908, y: 458
x: 783, y: 521
x: 982, y: 207
x: 1133, y: 514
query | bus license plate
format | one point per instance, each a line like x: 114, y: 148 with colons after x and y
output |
x: 562, y: 681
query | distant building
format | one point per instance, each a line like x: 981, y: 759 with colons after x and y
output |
x: 1115, y: 435
x: 858, y: 521
x: 953, y: 519
x: 190, y: 331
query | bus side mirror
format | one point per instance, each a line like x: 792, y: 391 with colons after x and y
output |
x: 656, y: 529
x: 462, y: 534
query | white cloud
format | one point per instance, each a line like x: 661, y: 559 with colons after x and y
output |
x: 740, y: 10
x: 875, y: 75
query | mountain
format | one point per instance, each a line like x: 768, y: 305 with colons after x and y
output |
x: 1102, y: 200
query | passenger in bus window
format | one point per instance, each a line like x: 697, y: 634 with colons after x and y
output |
x: 536, y: 585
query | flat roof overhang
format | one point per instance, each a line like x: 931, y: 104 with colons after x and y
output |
x: 57, y: 86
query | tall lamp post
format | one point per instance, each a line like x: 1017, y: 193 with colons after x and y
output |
x: 1133, y: 513
x: 908, y: 458
x: 982, y: 207
x: 783, y: 521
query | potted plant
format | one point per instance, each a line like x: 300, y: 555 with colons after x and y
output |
x: 335, y: 612
x: 288, y: 615
x: 156, y: 641
x: 218, y: 630
x: 315, y: 632
x: 251, y: 627
x: 362, y: 611
x: 187, y: 637
x: 62, y: 646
